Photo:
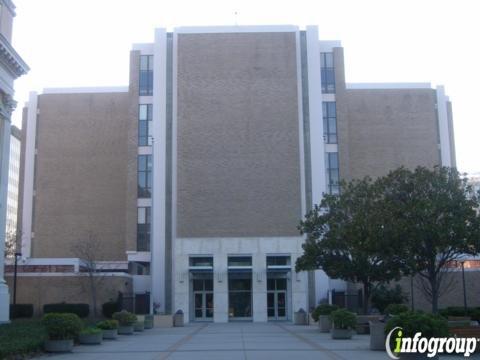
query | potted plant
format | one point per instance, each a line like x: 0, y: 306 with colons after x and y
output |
x: 148, y: 321
x: 322, y: 315
x: 126, y: 320
x: 300, y: 317
x: 343, y: 323
x: 412, y: 322
x: 377, y: 328
x: 109, y: 329
x: 139, y: 325
x: 90, y: 336
x: 61, y: 330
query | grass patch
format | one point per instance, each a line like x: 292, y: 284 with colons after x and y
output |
x: 21, y: 337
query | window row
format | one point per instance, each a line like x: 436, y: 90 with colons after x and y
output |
x: 145, y: 124
x: 144, y: 173
x: 333, y: 173
x: 146, y: 75
x: 239, y: 261
x: 327, y: 69
x: 143, y: 228
x: 330, y: 122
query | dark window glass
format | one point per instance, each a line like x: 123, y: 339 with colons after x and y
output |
x: 333, y: 175
x: 144, y: 176
x: 239, y: 261
x: 143, y: 228
x: 240, y: 284
x: 197, y: 285
x: 278, y: 260
x: 146, y: 75
x: 327, y: 72
x: 145, y: 124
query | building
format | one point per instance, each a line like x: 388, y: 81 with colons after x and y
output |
x: 13, y: 182
x: 11, y: 67
x: 195, y: 175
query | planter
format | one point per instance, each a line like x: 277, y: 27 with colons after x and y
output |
x: 341, y: 334
x: 125, y: 330
x: 300, y: 318
x: 178, y: 319
x: 58, y: 345
x: 110, y: 334
x: 148, y: 321
x: 324, y: 323
x: 377, y: 335
x: 163, y: 321
x: 139, y: 326
x: 90, y: 339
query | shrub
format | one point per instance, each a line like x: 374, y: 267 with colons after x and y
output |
x: 125, y: 318
x: 455, y: 311
x: 21, y: 311
x: 21, y: 337
x: 412, y: 322
x: 108, y: 325
x: 395, y: 309
x: 81, y: 310
x: 343, y: 319
x: 383, y: 296
x: 90, y: 331
x: 62, y: 326
x: 323, y: 309
x: 109, y: 308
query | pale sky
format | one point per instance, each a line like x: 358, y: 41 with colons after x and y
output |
x: 74, y: 43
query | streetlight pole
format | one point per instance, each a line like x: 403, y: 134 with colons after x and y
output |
x: 464, y: 288
x: 15, y: 278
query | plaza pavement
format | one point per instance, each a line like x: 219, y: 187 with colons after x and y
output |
x: 232, y: 341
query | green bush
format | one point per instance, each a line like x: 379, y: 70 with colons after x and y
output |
x: 81, y: 310
x: 473, y: 313
x: 109, y: 308
x: 412, y: 322
x: 382, y: 296
x: 21, y: 311
x: 90, y: 331
x: 343, y: 319
x: 395, y: 309
x: 323, y: 309
x: 62, y: 326
x: 108, y: 325
x: 125, y: 318
x: 21, y: 337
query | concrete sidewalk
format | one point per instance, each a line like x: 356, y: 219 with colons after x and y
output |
x: 230, y: 341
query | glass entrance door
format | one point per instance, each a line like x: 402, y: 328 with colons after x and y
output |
x: 203, y: 299
x: 240, y: 295
x: 277, y: 299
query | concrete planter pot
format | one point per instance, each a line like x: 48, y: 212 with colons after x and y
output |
x: 148, y: 321
x: 110, y: 334
x: 90, y: 339
x: 300, y: 318
x: 139, y: 326
x: 125, y: 330
x: 341, y: 334
x: 163, y: 321
x: 56, y: 346
x: 377, y: 335
x: 324, y: 323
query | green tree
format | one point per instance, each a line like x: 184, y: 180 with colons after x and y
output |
x: 434, y: 214
x: 348, y: 239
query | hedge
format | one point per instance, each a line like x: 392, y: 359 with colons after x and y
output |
x: 21, y: 337
x: 81, y: 310
x: 21, y: 311
x: 109, y: 308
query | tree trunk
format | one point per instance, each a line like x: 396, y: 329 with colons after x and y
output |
x: 366, y: 296
x: 434, y: 289
x: 93, y: 294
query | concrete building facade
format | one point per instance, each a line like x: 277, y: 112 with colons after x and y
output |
x: 11, y: 67
x: 194, y: 177
x: 13, y: 183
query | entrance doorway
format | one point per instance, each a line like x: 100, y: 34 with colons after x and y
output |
x: 240, y: 295
x: 277, y: 298
x: 203, y: 299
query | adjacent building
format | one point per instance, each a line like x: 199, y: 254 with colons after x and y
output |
x: 11, y: 67
x: 194, y: 177
x: 13, y: 182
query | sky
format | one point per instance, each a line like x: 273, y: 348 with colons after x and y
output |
x: 75, y: 43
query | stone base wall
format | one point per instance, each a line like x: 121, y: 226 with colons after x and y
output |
x: 70, y: 288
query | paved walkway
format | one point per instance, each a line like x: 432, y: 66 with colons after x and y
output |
x: 232, y: 341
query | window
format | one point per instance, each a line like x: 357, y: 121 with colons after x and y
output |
x: 239, y: 261
x: 279, y: 260
x: 146, y: 75
x: 145, y: 125
x: 143, y: 228
x: 327, y: 72
x: 330, y: 122
x: 144, y: 176
x: 333, y: 176
x: 201, y: 261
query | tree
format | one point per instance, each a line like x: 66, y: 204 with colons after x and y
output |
x: 87, y: 250
x: 11, y: 241
x: 434, y: 214
x: 347, y: 238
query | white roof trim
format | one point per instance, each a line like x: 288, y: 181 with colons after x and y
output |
x: 235, y: 29
x: 356, y: 86
x: 86, y: 90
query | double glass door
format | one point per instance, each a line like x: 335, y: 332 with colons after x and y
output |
x: 277, y: 299
x: 203, y: 299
